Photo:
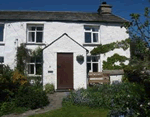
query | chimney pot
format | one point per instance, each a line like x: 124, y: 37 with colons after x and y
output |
x: 104, y: 8
x: 104, y: 2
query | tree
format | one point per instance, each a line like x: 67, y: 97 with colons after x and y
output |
x: 139, y: 31
x: 139, y: 27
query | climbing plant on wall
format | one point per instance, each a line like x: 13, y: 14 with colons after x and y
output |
x: 101, y: 49
x: 23, y: 55
x: 110, y: 63
x: 21, y: 58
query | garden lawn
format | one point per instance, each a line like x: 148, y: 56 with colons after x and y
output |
x: 75, y: 111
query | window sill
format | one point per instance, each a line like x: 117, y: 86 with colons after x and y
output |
x: 32, y: 75
x: 35, y: 44
x: 2, y: 43
x: 91, y: 44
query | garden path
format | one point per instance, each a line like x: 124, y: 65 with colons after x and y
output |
x: 55, y: 103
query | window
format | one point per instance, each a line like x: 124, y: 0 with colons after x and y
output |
x: 93, y: 63
x: 91, y: 34
x: 35, y: 33
x: 1, y: 32
x: 1, y: 64
x: 35, y: 66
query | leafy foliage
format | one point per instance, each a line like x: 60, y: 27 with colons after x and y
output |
x: 36, y: 81
x: 49, y: 88
x: 31, y: 97
x: 121, y: 99
x: 139, y: 32
x: 23, y: 55
x: 37, y: 53
x: 7, y: 88
x: 101, y: 49
x: 19, y: 78
x: 137, y: 28
x: 21, y: 58
x: 6, y: 107
x: 110, y: 63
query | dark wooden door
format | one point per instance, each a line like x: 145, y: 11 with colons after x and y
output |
x: 64, y: 71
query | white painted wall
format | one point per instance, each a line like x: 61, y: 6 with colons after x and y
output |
x: 115, y: 78
x: 17, y: 30
x: 64, y: 45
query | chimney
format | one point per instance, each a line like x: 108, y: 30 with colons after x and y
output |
x: 104, y: 8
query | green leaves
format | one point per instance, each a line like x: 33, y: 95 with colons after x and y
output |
x: 147, y: 11
x: 21, y: 58
x: 135, y: 16
x: 101, y: 49
x: 110, y: 63
x: 123, y: 98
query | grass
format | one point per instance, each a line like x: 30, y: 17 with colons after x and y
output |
x: 74, y: 111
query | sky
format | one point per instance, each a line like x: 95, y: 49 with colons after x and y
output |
x: 121, y: 8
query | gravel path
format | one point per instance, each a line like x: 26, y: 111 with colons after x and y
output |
x: 55, y: 103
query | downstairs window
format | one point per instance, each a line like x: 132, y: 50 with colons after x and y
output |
x: 35, y: 66
x: 93, y: 63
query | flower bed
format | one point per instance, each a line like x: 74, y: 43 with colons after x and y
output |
x: 121, y: 99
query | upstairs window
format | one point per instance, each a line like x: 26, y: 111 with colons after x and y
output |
x: 93, y: 63
x: 1, y: 64
x: 91, y: 34
x: 35, y: 66
x: 35, y: 33
x: 1, y: 32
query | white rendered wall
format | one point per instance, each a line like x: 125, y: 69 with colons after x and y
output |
x: 64, y: 45
x: 117, y: 78
x: 109, y: 32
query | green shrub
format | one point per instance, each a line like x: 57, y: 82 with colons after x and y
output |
x: 6, y: 84
x: 49, y: 88
x: 6, y: 107
x: 35, y: 81
x: 121, y: 99
x: 31, y: 97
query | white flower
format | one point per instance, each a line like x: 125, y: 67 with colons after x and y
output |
x: 141, y: 105
x: 127, y: 102
x: 128, y: 109
x: 149, y: 103
x: 128, y: 96
x: 138, y: 113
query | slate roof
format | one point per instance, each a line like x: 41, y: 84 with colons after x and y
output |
x: 58, y: 16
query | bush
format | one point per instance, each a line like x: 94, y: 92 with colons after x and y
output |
x: 49, y: 88
x: 35, y: 81
x: 121, y: 99
x: 7, y: 88
x: 18, y: 78
x: 6, y: 107
x: 31, y: 97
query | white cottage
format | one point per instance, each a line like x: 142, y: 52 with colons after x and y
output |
x: 63, y: 36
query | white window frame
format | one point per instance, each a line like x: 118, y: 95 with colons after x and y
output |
x: 28, y: 31
x: 2, y: 63
x: 2, y: 25
x: 33, y: 63
x: 92, y: 32
x: 91, y: 62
